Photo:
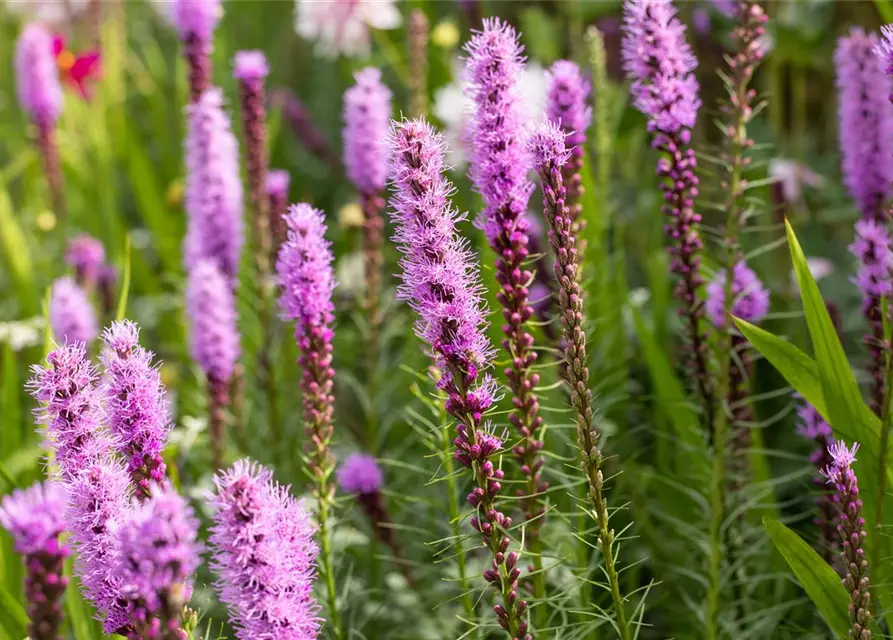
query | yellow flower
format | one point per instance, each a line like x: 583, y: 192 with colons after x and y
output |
x: 351, y: 215
x: 46, y: 221
x: 445, y: 35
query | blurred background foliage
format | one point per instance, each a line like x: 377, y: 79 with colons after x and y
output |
x: 122, y: 154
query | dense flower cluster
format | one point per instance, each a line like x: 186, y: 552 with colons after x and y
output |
x: 37, y: 76
x: 34, y: 519
x: 750, y: 299
x: 137, y: 411
x: 360, y: 473
x: 72, y: 317
x: 213, y: 196
x: 367, y: 116
x: 264, y: 554
x: 212, y: 313
x: 866, y: 122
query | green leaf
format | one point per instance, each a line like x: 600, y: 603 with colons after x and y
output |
x: 798, y: 369
x: 816, y: 576
x: 125, y: 281
x: 885, y: 9
x: 11, y: 401
x: 18, y: 257
x: 14, y: 619
x: 80, y: 612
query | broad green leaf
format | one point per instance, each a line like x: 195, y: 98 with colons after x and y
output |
x: 885, y: 9
x: 816, y: 576
x: 79, y: 612
x: 18, y: 257
x: 11, y: 401
x: 798, y: 369
x: 14, y: 619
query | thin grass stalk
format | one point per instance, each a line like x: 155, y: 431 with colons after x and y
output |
x: 549, y: 151
x: 47, y: 142
x: 418, y: 60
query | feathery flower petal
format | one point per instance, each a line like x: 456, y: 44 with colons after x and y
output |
x: 37, y: 76
x: 360, y: 473
x: 750, y: 299
x: 72, y: 316
x: 213, y: 187
x: 34, y: 519
x: 866, y: 121
x: 264, y: 556
x: 137, y: 411
x: 367, y: 117
x: 155, y: 558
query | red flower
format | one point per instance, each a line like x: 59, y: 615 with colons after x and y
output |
x: 77, y: 70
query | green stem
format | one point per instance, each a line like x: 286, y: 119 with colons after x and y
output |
x: 326, y: 564
x: 882, y: 457
x: 456, y: 522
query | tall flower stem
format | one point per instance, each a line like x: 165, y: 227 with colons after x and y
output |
x: 49, y: 151
x: 373, y: 263
x: 418, y: 47
x: 219, y: 400
x: 548, y: 149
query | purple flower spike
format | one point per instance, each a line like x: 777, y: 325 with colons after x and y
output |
x: 750, y: 299
x: 813, y: 426
x: 872, y: 247
x: 866, y: 121
x: 215, y: 341
x: 72, y: 316
x: 213, y: 187
x: 70, y: 411
x: 851, y: 529
x: 98, y: 501
x: 568, y: 106
x: 367, y: 117
x: 34, y: 519
x: 884, y: 49
x: 195, y: 21
x: 442, y: 285
x: 499, y: 167
x: 661, y: 65
x: 250, y: 66
x: 86, y: 256
x: 156, y: 556
x: 264, y: 556
x: 37, y: 75
x: 360, y: 473
x: 277, y: 192
x: 137, y: 411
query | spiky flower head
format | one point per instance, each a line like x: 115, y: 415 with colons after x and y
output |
x: 884, y: 49
x: 249, y: 66
x: 866, y: 121
x: 547, y: 144
x: 71, y: 410
x: 499, y: 162
x: 360, y: 473
x: 196, y: 18
x: 812, y: 425
x: 137, y: 412
x: 86, y: 255
x: 277, y: 182
x: 660, y: 63
x: 439, y: 279
x: 367, y: 116
x: 212, y: 315
x: 264, y: 556
x: 568, y: 100
x: 750, y: 299
x: 34, y: 517
x: 872, y: 247
x: 156, y: 557
x: 305, y: 270
x: 213, y: 187
x: 72, y: 316
x: 37, y: 75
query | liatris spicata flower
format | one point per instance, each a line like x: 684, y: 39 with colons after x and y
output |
x: 367, y: 114
x: 417, y: 34
x: 33, y: 518
x: 137, y: 412
x: 750, y: 299
x: 72, y: 317
x: 442, y: 286
x: 86, y: 256
x: 250, y: 69
x: 866, y: 122
x: 360, y: 474
x: 305, y: 129
x: 106, y: 283
x: 277, y: 193
x: 813, y: 426
x: 264, y: 556
x: 547, y: 146
x: 40, y: 94
x: 872, y: 247
x: 195, y: 21
x: 661, y: 65
x: 97, y: 484
x: 213, y: 187
x: 215, y: 342
x: 851, y: 529
x: 568, y: 106
x: 307, y: 281
x: 499, y: 166
x: 156, y: 556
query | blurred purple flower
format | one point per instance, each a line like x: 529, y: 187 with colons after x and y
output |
x: 195, y: 21
x: 367, y: 115
x: 750, y: 299
x: 72, y: 316
x: 37, y: 75
x: 212, y: 314
x: 360, y: 473
x: 86, y: 256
